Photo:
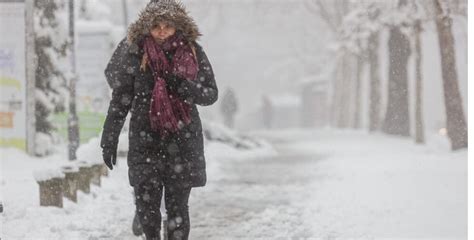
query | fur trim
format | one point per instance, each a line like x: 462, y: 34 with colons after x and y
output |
x: 163, y: 10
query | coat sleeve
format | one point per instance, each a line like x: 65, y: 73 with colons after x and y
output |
x: 202, y: 91
x: 120, y: 77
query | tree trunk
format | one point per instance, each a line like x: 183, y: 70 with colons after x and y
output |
x: 343, y: 117
x: 125, y: 14
x: 374, y: 105
x: 455, y: 120
x: 357, y: 89
x: 419, y: 125
x: 397, y: 116
x: 336, y: 86
x: 342, y: 92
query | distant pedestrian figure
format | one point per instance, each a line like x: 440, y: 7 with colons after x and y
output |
x: 229, y: 107
x: 159, y: 74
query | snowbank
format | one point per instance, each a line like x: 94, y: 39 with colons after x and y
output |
x: 214, y: 131
x: 90, y: 152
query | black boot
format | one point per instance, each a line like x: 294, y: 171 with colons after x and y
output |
x: 137, y: 226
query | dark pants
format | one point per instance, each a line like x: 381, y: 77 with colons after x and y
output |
x: 148, y: 200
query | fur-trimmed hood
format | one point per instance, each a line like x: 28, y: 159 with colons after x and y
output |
x: 163, y: 10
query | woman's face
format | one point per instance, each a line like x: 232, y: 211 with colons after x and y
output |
x: 162, y: 31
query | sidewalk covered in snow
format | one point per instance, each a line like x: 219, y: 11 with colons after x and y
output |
x: 318, y: 184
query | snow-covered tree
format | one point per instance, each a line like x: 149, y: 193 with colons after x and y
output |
x: 94, y: 9
x: 374, y: 12
x: 405, y: 23
x: 397, y: 114
x: 355, y: 31
x: 52, y: 72
x: 356, y: 26
x: 332, y: 12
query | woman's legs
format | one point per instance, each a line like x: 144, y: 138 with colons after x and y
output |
x: 176, y: 201
x: 147, y: 200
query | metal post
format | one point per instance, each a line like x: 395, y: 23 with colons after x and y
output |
x: 30, y: 78
x: 73, y: 121
x: 125, y: 14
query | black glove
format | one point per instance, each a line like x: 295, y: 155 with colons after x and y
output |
x: 110, y: 156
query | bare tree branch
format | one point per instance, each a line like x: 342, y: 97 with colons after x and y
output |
x: 325, y: 15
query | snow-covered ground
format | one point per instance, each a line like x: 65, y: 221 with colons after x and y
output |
x: 375, y: 186
x: 318, y: 184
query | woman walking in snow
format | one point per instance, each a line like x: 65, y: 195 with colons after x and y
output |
x: 159, y: 74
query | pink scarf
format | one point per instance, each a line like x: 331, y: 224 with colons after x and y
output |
x: 168, y: 113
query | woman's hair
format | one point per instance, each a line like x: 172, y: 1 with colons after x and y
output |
x: 158, y: 21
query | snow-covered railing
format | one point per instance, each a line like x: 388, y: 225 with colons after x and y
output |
x: 67, y: 180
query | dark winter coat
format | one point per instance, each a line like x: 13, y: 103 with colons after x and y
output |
x: 179, y: 159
